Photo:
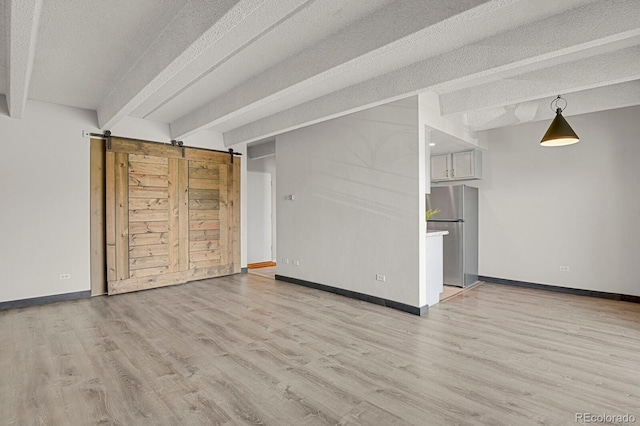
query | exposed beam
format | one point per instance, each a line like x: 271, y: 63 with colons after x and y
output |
x: 590, y: 30
x: 583, y: 102
x: 602, y: 70
x: 429, y: 116
x: 272, y: 14
x: 589, y: 27
x: 340, y: 103
x: 203, y: 34
x: 599, y: 99
x: 262, y: 150
x: 330, y: 59
x: 22, y: 18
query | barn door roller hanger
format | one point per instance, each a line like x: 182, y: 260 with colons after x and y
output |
x: 107, y: 137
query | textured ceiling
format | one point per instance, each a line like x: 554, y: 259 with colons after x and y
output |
x: 256, y: 68
x: 85, y: 47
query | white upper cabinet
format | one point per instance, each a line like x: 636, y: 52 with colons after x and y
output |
x: 457, y: 166
x: 463, y: 165
x: 440, y: 165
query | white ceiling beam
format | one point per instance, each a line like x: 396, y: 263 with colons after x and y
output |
x: 554, y: 40
x: 620, y: 95
x: 602, y: 70
x: 22, y: 18
x: 202, y: 35
x: 271, y: 14
x: 346, y: 51
x: 593, y: 29
x: 583, y: 102
x: 429, y: 116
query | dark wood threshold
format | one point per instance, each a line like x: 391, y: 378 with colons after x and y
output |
x: 359, y: 296
x: 261, y: 265
x: 567, y: 290
x: 22, y: 303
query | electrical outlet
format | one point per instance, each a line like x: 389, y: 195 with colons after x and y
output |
x: 380, y: 277
x: 564, y: 269
x: 64, y: 276
x: 296, y: 262
x: 285, y: 260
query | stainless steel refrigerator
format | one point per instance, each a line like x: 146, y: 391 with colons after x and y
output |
x: 458, y: 207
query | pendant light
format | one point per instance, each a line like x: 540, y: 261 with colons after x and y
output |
x: 559, y: 133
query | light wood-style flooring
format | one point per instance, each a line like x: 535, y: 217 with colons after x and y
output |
x: 250, y: 350
x: 449, y: 291
x: 266, y: 272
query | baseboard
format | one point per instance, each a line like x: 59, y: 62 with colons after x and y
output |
x: 359, y: 296
x: 22, y: 303
x: 244, y: 270
x: 567, y: 290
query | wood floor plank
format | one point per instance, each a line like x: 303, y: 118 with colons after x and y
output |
x: 245, y: 349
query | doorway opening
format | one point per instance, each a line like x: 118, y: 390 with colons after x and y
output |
x: 261, y: 209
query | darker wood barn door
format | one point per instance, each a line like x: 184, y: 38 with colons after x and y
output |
x: 172, y: 215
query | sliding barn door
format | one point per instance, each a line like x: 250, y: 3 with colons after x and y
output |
x: 173, y: 215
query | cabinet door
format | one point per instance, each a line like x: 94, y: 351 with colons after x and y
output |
x: 463, y: 163
x: 440, y: 167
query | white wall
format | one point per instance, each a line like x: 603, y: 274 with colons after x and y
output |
x: 258, y: 217
x: 577, y: 206
x: 268, y: 165
x: 44, y: 188
x: 137, y: 128
x: 358, y: 190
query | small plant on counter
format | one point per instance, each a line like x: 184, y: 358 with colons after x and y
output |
x: 431, y: 213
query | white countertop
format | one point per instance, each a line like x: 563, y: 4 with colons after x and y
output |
x: 436, y: 233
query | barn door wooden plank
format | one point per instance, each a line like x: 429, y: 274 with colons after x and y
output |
x: 147, y: 282
x: 229, y: 247
x: 97, y: 199
x: 122, y: 215
x: 110, y: 214
x: 204, y: 204
x: 131, y: 146
x: 236, y: 215
x: 178, y: 214
x: 230, y: 199
x: 174, y: 216
x: 224, y: 214
x: 183, y: 213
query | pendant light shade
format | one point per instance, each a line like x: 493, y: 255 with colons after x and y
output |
x: 559, y: 132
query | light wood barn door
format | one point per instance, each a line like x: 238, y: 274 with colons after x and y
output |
x: 173, y: 215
